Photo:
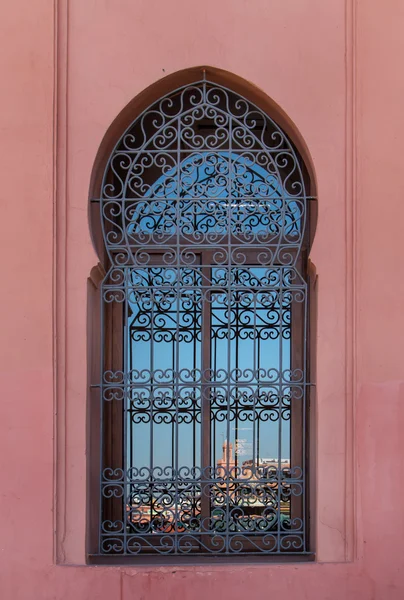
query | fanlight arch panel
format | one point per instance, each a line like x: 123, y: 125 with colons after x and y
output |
x: 205, y: 214
x: 245, y: 155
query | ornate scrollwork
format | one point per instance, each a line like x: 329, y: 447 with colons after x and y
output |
x: 203, y: 164
x: 204, y: 211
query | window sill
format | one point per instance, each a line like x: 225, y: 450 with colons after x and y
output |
x: 199, y: 561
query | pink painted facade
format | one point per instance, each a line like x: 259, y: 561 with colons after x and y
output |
x: 68, y: 69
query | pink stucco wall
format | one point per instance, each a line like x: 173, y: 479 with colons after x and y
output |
x: 335, y: 69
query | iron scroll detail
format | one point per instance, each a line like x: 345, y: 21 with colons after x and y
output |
x: 205, y: 210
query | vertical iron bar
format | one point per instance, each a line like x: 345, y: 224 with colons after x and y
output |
x: 214, y: 416
x: 303, y: 450
x: 153, y: 299
x: 229, y: 275
x: 195, y: 366
x: 176, y: 338
x: 102, y: 444
x: 258, y: 367
x: 237, y: 312
x: 125, y: 515
x: 255, y: 393
x: 205, y: 404
x: 131, y: 391
x: 281, y: 272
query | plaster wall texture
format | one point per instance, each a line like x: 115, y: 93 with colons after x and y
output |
x: 68, y: 69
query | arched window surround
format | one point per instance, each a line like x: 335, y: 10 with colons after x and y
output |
x: 297, y: 260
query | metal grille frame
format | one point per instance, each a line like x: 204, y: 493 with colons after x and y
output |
x: 205, y: 212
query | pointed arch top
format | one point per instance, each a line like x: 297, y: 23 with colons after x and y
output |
x: 198, y: 98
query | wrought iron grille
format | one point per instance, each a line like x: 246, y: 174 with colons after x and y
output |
x: 204, y: 209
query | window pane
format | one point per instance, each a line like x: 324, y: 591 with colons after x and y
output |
x: 164, y: 424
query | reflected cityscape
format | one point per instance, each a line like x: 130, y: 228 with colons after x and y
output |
x: 254, y: 493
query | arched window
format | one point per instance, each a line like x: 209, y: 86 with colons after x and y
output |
x: 205, y: 211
